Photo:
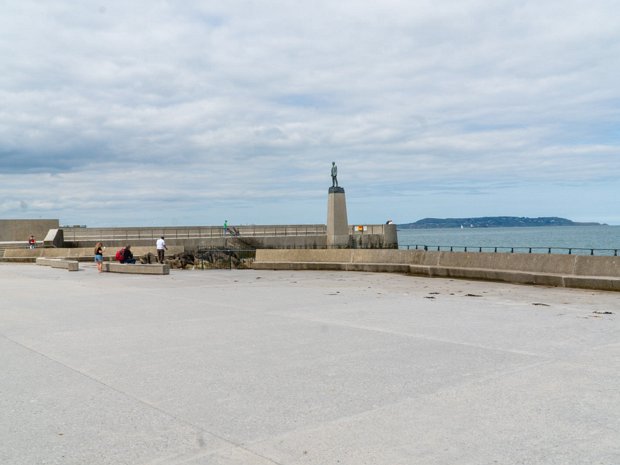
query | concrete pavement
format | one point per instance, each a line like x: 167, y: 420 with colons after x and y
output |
x: 303, y: 367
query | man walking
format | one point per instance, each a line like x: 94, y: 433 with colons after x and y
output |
x: 161, y: 247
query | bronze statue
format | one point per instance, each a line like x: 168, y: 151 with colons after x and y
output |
x: 334, y: 174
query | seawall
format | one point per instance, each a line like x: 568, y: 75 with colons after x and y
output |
x: 247, y: 237
x: 20, y: 230
x: 543, y: 269
x: 82, y: 254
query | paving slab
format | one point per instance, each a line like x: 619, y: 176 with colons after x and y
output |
x: 303, y: 367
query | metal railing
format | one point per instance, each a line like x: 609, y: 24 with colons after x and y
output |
x: 74, y: 234
x: 506, y: 249
x: 190, y: 232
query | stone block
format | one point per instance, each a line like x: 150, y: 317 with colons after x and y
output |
x: 128, y: 268
x: 69, y: 265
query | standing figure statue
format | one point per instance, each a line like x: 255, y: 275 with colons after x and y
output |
x: 334, y: 174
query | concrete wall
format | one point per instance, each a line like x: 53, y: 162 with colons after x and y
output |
x: 539, y: 263
x: 359, y: 241
x: 80, y: 253
x: 551, y: 270
x: 250, y: 237
x: 244, y: 243
x: 20, y: 230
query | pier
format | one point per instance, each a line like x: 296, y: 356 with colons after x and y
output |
x: 258, y: 367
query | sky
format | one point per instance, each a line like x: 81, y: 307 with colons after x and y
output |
x: 165, y: 113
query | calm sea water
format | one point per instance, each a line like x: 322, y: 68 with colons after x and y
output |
x: 606, y: 239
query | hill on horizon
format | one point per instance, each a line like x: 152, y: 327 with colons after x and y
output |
x: 493, y: 222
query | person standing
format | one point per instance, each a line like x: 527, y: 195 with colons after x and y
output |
x: 161, y: 248
x: 32, y: 242
x: 225, y: 226
x: 99, y: 256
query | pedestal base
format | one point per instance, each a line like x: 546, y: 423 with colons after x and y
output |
x: 337, y: 222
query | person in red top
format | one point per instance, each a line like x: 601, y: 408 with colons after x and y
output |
x: 127, y: 255
x: 31, y: 242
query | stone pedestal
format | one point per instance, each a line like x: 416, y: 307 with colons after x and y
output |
x: 337, y: 222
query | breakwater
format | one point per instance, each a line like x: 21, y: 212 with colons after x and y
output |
x: 66, y: 240
x: 551, y: 270
x: 300, y: 236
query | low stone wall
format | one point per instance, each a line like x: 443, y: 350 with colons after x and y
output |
x: 129, y: 268
x: 553, y: 270
x: 79, y: 253
x: 69, y: 265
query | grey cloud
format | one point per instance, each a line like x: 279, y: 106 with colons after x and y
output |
x: 236, y: 98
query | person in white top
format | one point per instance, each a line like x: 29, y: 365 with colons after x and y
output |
x: 161, y: 246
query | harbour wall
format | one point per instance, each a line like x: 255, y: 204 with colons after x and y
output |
x: 246, y: 237
x: 552, y: 270
x: 80, y: 254
x: 20, y: 230
x: 195, y: 238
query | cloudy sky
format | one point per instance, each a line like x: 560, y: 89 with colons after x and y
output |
x: 188, y: 113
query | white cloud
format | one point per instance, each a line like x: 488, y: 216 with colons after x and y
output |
x: 241, y: 106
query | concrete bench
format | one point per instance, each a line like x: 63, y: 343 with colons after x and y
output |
x: 137, y: 268
x: 69, y: 265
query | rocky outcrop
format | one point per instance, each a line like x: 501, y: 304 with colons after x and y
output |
x: 203, y: 260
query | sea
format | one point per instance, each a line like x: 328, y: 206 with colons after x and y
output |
x: 578, y: 240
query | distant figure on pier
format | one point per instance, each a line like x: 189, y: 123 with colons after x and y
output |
x: 31, y: 242
x: 334, y: 174
x: 161, y: 248
x: 99, y: 256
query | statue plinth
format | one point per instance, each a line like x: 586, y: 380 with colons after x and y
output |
x: 337, y: 222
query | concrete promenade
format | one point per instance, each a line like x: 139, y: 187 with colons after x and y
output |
x: 231, y: 367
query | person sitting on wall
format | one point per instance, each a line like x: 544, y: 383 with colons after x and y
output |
x: 128, y: 256
x: 31, y: 242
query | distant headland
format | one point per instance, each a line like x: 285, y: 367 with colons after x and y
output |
x: 493, y: 222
